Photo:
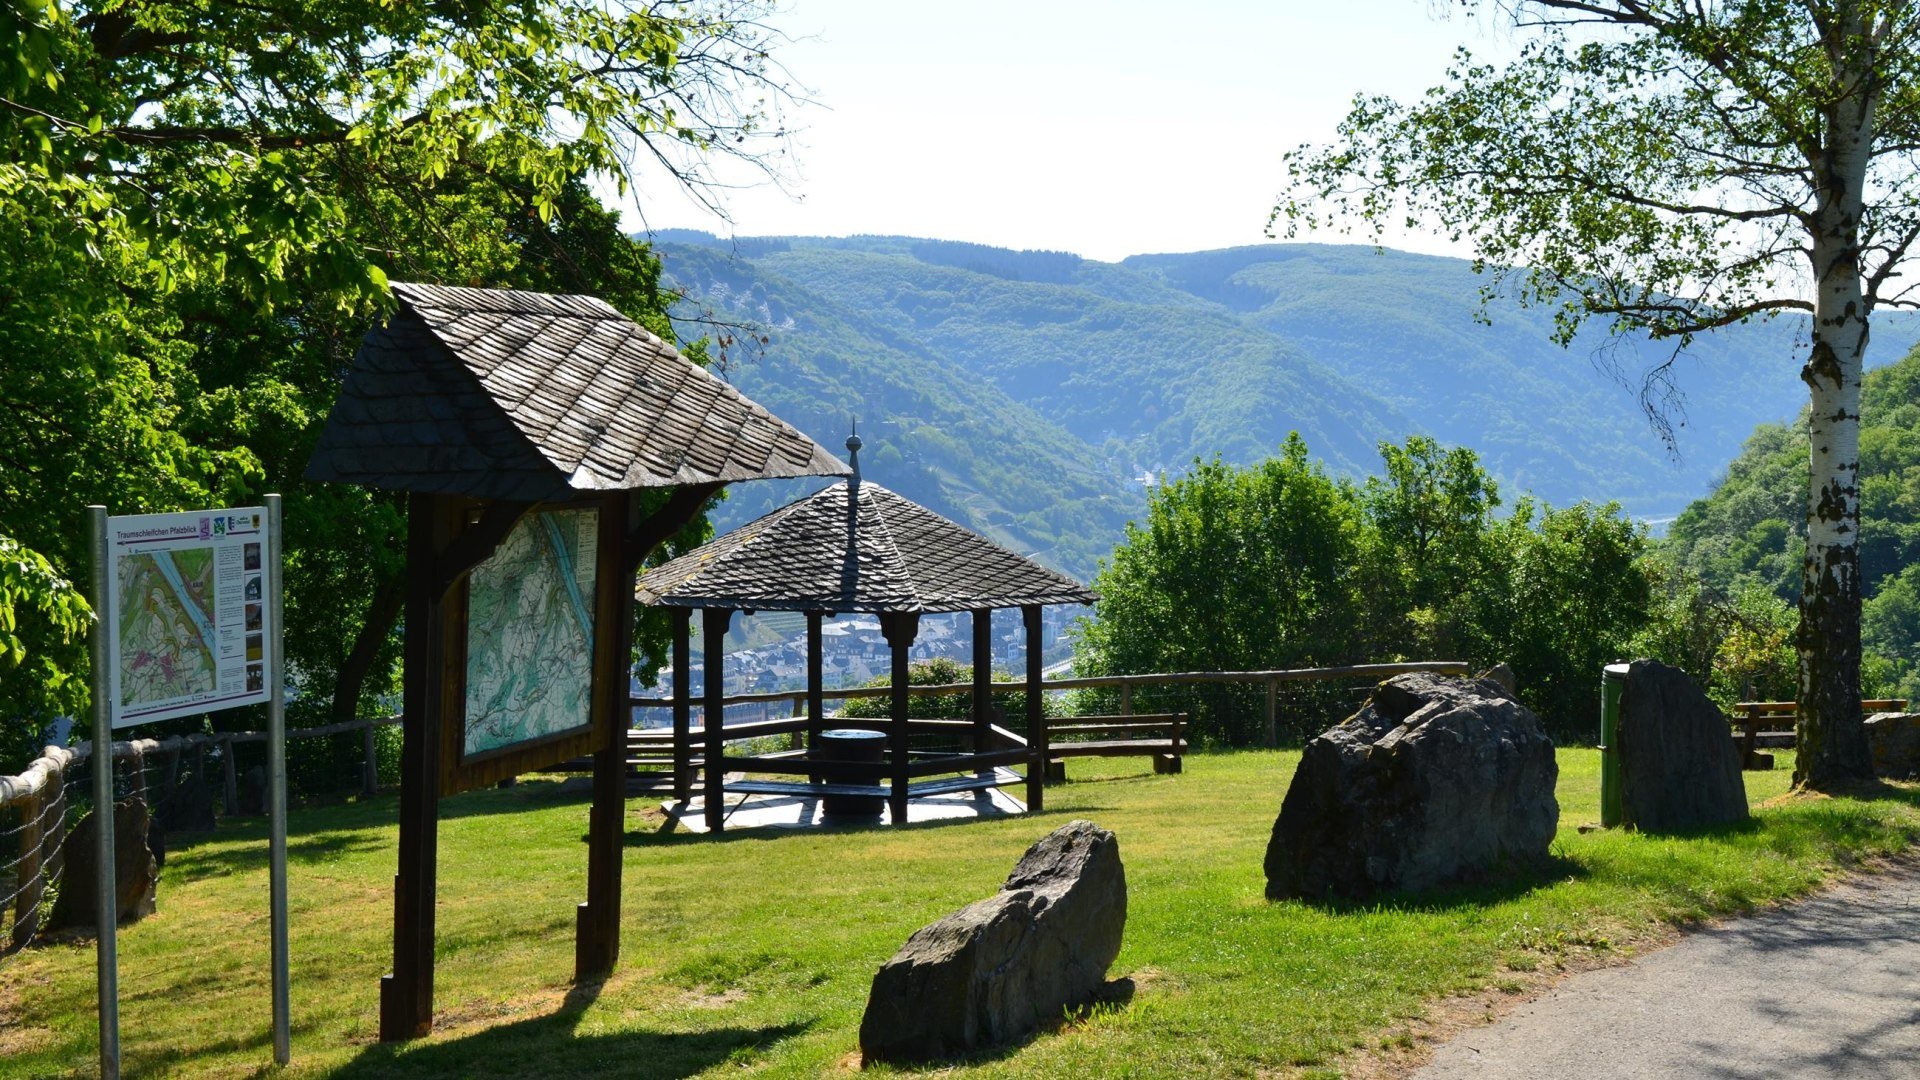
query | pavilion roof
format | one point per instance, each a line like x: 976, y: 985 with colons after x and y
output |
x: 525, y: 396
x: 855, y: 546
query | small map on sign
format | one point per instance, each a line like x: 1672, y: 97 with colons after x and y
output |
x: 530, y: 632
x: 187, y: 608
x: 168, y: 647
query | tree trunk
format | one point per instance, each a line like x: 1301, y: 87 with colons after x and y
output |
x: 352, y: 676
x: 1832, y: 737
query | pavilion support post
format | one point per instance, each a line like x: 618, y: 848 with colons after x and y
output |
x: 899, y: 628
x: 597, y: 922
x: 406, y: 995
x: 682, y: 704
x: 816, y: 703
x: 1036, y: 719
x: 713, y: 631
x: 983, y: 684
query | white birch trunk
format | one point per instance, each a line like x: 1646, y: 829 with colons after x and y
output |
x: 1832, y: 738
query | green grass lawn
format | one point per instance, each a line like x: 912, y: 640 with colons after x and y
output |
x: 754, y: 953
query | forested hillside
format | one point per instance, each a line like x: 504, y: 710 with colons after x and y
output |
x: 1751, y: 530
x: 957, y: 444
x: 1028, y: 391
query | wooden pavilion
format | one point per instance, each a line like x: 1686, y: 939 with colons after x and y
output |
x: 858, y: 547
x: 547, y: 445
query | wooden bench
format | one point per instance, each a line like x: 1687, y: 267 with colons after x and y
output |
x: 1751, y: 715
x: 1161, y: 736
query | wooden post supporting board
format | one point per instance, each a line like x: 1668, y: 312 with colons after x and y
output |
x: 406, y: 995
x: 597, y: 922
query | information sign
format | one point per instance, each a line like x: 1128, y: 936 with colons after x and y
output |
x: 188, y: 615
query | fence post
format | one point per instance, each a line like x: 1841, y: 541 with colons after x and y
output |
x: 1273, y: 719
x: 232, y: 781
x: 370, y: 766
x: 1126, y: 699
x: 26, y: 916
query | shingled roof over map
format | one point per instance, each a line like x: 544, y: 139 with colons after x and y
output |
x: 855, y: 546
x: 502, y: 394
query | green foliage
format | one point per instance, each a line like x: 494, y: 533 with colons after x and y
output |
x: 1279, y: 566
x: 1570, y: 590
x: 201, y: 202
x: 942, y: 671
x: 43, y: 626
x: 1749, y: 534
x: 1647, y: 163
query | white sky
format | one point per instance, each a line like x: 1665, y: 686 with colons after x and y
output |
x: 1101, y: 128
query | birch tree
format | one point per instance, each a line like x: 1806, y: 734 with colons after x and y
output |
x: 1674, y: 167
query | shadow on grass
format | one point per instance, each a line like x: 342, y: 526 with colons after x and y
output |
x: 1498, y: 886
x: 198, y: 863
x: 670, y: 831
x: 551, y: 1046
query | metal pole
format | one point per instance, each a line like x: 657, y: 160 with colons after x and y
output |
x: 106, y: 952
x: 277, y: 789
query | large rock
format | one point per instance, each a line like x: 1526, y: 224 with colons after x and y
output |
x: 1434, y: 780
x: 1679, y: 766
x: 188, y: 806
x: 136, y: 876
x: 994, y: 971
x: 1894, y: 741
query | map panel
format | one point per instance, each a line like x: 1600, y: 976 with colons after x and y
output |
x: 530, y: 632
x: 186, y: 613
x: 167, y: 644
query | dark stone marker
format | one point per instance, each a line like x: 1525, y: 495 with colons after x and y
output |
x: 136, y: 875
x: 994, y: 971
x: 1894, y: 741
x: 1679, y: 765
x: 188, y: 807
x: 1434, y: 780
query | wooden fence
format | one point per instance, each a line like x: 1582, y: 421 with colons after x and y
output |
x: 1125, y: 684
x: 36, y: 801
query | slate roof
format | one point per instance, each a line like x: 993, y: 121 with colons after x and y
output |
x: 503, y: 394
x: 855, y: 546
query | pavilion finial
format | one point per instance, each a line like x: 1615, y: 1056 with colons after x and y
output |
x: 853, y: 448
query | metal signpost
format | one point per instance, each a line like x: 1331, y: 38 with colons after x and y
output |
x: 188, y: 620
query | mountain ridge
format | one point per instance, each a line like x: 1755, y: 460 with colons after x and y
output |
x: 1029, y: 392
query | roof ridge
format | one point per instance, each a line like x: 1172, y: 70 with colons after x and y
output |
x: 495, y: 300
x: 906, y: 572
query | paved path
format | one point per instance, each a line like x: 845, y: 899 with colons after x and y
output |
x: 1826, y: 988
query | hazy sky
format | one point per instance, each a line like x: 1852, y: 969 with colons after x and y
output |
x: 1105, y: 129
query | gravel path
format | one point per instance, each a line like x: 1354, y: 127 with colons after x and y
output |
x: 1826, y: 988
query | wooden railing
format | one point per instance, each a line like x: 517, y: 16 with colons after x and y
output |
x: 1125, y: 684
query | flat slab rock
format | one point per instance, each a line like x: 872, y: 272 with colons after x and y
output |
x: 991, y: 973
x: 1679, y: 765
x: 1434, y: 780
x: 136, y: 873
